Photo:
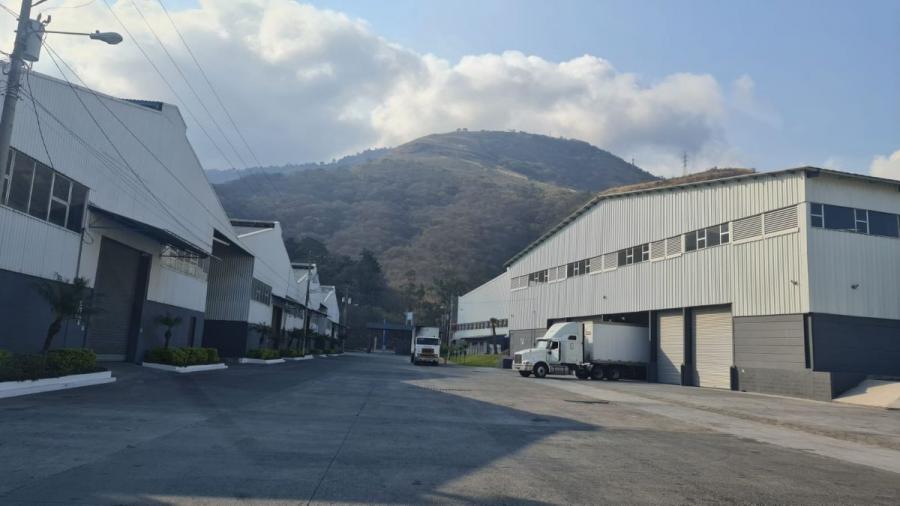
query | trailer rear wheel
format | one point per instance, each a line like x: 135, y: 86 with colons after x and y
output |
x: 597, y: 373
x: 524, y: 374
x: 613, y: 374
x: 582, y: 373
x: 540, y: 371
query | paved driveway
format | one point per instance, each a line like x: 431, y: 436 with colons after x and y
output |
x: 373, y: 428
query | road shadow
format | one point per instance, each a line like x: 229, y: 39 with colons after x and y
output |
x: 348, y: 429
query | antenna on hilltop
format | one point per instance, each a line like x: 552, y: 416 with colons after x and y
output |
x: 684, y: 160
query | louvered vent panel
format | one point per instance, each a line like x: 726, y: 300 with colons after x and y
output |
x: 658, y: 249
x: 747, y: 228
x: 782, y: 219
x: 673, y: 245
x: 610, y: 260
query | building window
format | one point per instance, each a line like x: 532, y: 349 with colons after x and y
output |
x: 839, y: 218
x: 690, y: 241
x: 184, y: 261
x: 645, y: 252
x: 261, y: 292
x: 862, y: 220
x: 883, y: 224
x: 32, y: 187
x: 707, y: 237
x: 724, y: 233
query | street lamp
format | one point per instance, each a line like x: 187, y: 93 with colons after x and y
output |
x: 27, y: 47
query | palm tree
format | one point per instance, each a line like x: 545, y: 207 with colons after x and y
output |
x: 494, y: 323
x: 169, y: 322
x: 67, y: 301
x: 263, y: 330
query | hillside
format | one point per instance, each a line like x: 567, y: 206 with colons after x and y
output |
x: 451, y: 205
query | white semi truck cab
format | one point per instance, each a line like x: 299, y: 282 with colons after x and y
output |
x: 596, y: 350
x: 426, y: 346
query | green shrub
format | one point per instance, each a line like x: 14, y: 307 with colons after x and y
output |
x: 316, y: 351
x: 71, y: 361
x: 22, y: 367
x: 212, y: 356
x: 291, y: 353
x: 182, y: 357
x: 263, y: 354
x: 5, y: 357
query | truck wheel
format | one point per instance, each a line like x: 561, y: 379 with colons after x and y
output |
x: 596, y: 373
x: 613, y: 374
x: 540, y: 371
x: 582, y: 373
x: 524, y: 374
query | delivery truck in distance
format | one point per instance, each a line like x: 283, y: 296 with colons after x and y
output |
x: 426, y: 346
x: 595, y: 350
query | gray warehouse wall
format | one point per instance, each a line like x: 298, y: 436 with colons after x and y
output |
x: 855, y: 345
x: 523, y: 339
x: 770, y: 342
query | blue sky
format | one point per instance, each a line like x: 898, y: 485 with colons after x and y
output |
x: 759, y: 84
x: 830, y: 70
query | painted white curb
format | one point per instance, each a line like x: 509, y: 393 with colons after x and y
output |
x: 185, y: 369
x: 16, y: 388
x: 294, y: 359
x: 244, y: 360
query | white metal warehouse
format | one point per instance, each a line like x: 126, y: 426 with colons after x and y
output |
x: 482, y: 324
x: 784, y: 282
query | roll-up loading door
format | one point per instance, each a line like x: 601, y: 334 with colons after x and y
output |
x: 671, y: 347
x: 714, y: 345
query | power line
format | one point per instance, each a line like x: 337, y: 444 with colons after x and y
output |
x: 169, y: 85
x: 165, y: 207
x: 141, y: 142
x: 209, y: 83
x: 188, y: 83
x: 37, y: 120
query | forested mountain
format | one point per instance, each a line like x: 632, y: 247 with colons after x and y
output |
x: 450, y: 207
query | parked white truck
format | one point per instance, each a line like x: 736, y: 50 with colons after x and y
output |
x: 596, y: 350
x: 426, y: 346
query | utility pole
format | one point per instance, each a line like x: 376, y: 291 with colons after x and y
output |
x: 27, y: 47
x: 13, y: 78
x: 306, y: 309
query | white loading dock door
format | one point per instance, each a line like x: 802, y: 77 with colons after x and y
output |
x: 715, y: 346
x: 671, y: 347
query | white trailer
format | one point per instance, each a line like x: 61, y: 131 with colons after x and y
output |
x: 596, y: 350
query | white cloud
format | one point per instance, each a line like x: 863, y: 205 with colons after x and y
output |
x: 886, y: 166
x: 308, y: 84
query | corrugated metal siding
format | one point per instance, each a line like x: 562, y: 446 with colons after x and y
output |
x: 769, y: 342
x: 32, y: 246
x: 839, y: 260
x: 714, y: 346
x: 193, y: 209
x: 490, y: 300
x: 229, y: 281
x: 671, y: 347
x: 766, y: 276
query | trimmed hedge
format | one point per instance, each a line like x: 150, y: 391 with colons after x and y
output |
x: 291, y: 353
x: 263, y: 354
x: 182, y: 357
x: 316, y: 351
x: 56, y: 363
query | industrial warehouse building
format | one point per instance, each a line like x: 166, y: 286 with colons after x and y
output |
x: 784, y: 282
x: 111, y: 190
x: 482, y: 324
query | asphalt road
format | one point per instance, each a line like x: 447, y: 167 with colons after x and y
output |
x: 375, y: 429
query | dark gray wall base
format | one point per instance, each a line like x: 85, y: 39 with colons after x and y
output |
x: 182, y: 335
x: 770, y: 342
x: 816, y: 385
x: 854, y: 344
x: 229, y: 337
x: 25, y: 317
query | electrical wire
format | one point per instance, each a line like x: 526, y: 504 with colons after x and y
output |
x: 188, y: 83
x: 37, y: 119
x: 171, y: 88
x: 210, y: 84
x: 227, y: 225
x: 143, y: 183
